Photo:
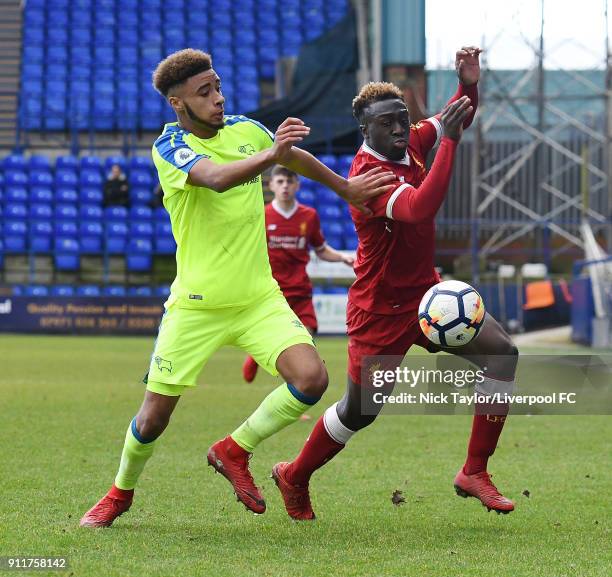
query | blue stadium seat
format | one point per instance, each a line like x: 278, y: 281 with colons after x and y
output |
x: 120, y: 160
x: 163, y: 228
x: 141, y: 162
x: 160, y: 214
x: 329, y: 213
x: 138, y: 255
x: 91, y: 235
x: 165, y: 245
x: 15, y: 211
x: 14, y: 162
x: 141, y: 196
x: 116, y: 236
x: 91, y: 195
x: 140, y: 213
x: 15, y: 236
x: 88, y: 290
x: 31, y: 73
x: 34, y: 18
x: 91, y: 178
x: 66, y: 228
x: 351, y: 242
x: 332, y: 228
x: 41, y: 211
x: 93, y: 162
x: 57, y: 35
x: 15, y: 178
x: 62, y: 290
x: 140, y: 229
x: 36, y: 290
x: 335, y: 240
x: 33, y: 54
x: 41, y: 179
x: 17, y: 194
x: 91, y: 211
x: 66, y: 178
x: 114, y: 291
x: 66, y: 194
x: 66, y: 212
x: 140, y: 291
x: 81, y: 36
x: 307, y: 197
x: 115, y: 213
x: 39, y: 163
x: 33, y: 35
x: 41, y: 233
x: 142, y: 178
x: 162, y: 291
x: 67, y: 162
x: 41, y: 194
x: 66, y: 255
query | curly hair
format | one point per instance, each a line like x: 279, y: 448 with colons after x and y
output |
x: 178, y: 67
x: 374, y: 92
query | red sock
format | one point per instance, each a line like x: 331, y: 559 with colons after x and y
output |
x: 117, y: 493
x: 486, y: 430
x: 318, y: 449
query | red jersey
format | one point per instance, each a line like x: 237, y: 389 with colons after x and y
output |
x: 290, y: 235
x: 395, y: 260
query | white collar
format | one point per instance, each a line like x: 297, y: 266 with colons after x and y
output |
x: 405, y: 160
x: 286, y: 213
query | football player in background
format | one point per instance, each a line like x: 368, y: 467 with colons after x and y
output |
x: 292, y: 229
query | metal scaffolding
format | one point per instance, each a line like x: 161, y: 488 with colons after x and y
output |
x: 562, y: 159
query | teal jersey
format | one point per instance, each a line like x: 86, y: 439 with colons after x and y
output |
x: 221, y: 257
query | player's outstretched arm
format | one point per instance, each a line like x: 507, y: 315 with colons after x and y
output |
x: 414, y: 205
x: 356, y: 190
x: 332, y: 255
x: 467, y: 65
x: 221, y: 177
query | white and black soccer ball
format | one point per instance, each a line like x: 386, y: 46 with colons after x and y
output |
x: 451, y: 313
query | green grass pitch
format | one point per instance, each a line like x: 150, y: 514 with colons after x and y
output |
x: 66, y: 403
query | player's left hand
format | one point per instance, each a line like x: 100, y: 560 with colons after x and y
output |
x: 467, y: 64
x: 360, y: 189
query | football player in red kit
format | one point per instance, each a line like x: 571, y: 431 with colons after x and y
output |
x: 292, y: 230
x: 394, y: 268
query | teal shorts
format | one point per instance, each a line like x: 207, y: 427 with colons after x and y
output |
x: 188, y: 337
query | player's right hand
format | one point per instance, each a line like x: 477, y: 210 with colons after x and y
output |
x: 453, y: 116
x: 290, y: 132
x: 361, y: 188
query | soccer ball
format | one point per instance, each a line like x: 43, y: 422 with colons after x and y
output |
x: 451, y: 313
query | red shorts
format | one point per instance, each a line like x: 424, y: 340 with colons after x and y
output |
x: 372, y: 334
x: 304, y: 309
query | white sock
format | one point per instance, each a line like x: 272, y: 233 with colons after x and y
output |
x: 335, y: 429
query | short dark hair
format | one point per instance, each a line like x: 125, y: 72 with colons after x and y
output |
x: 280, y: 170
x: 374, y: 92
x: 178, y: 67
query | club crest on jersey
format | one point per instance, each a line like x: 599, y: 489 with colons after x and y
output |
x: 247, y: 149
x: 183, y: 155
x: 303, y: 226
x: 271, y: 227
x: 402, y: 179
x: 163, y: 364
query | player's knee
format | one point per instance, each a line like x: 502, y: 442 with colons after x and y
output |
x: 313, y: 380
x: 353, y: 419
x: 506, y: 358
x: 150, y: 425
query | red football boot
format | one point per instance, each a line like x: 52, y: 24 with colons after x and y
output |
x: 480, y: 486
x: 297, y: 499
x: 106, y: 510
x: 232, y: 461
x: 249, y: 369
